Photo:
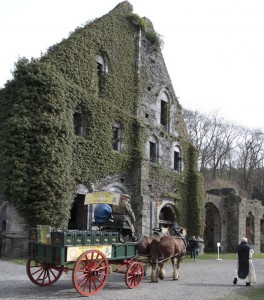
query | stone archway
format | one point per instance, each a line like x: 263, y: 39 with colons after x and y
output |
x: 212, y: 233
x: 250, y: 228
x: 167, y: 216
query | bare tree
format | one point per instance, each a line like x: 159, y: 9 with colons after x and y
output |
x: 251, y: 155
x: 213, y: 138
x: 224, y: 143
x: 227, y: 151
x: 199, y: 127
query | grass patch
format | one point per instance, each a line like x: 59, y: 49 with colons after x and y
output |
x: 225, y: 256
x: 21, y: 262
x: 252, y: 293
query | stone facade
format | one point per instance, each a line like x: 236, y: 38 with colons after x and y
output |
x: 158, y: 112
x: 230, y: 217
x: 152, y: 182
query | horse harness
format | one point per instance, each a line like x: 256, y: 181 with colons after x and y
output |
x: 172, y: 256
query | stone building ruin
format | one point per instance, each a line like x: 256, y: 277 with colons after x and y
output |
x: 119, y: 96
x: 230, y: 217
x: 111, y: 122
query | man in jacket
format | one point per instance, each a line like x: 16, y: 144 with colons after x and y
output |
x: 124, y: 213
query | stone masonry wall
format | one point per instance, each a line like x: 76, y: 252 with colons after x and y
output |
x: 234, y: 211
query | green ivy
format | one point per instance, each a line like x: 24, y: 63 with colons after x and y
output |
x: 42, y: 160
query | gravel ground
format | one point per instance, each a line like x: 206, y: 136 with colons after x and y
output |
x: 200, y: 280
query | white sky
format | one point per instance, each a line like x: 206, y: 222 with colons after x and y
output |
x: 213, y: 49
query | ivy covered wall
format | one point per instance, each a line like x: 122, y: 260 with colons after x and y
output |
x: 42, y: 159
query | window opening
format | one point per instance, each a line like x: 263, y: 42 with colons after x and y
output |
x: 164, y: 113
x: 80, y: 124
x: 117, y: 141
x: 153, y: 152
x: 177, y: 160
x: 100, y: 75
x: 102, y: 69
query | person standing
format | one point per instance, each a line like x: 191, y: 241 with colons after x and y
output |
x: 124, y: 212
x: 245, y: 268
x: 193, y: 247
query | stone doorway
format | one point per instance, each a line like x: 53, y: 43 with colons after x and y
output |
x: 167, y: 216
x: 78, y: 219
x: 212, y: 233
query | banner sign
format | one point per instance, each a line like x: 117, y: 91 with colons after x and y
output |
x: 74, y: 252
x: 102, y: 197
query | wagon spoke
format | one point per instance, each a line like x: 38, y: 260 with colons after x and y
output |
x: 38, y: 270
x: 134, y: 275
x: 43, y: 274
x: 90, y: 272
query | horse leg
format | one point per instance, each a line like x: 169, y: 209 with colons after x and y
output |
x: 162, y: 272
x: 175, y: 266
x: 154, y: 271
x: 146, y: 267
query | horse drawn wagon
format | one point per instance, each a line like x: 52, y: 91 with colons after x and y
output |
x: 89, y: 254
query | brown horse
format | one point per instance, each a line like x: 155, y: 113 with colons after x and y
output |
x: 163, y: 249
x: 145, y: 241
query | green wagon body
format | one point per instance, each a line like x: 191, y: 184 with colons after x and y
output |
x: 87, y: 253
x: 59, y: 255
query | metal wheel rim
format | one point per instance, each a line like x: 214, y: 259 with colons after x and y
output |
x: 90, y: 272
x: 134, y: 275
x: 43, y: 274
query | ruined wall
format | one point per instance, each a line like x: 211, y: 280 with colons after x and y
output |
x: 251, y: 209
x: 14, y: 237
x: 235, y: 214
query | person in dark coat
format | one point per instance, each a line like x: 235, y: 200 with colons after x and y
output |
x: 102, y: 213
x: 245, y: 268
x: 193, y: 244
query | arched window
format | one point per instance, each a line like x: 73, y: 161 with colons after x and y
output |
x: 117, y: 137
x: 164, y: 113
x: 102, y: 69
x: 177, y: 159
x: 163, y: 110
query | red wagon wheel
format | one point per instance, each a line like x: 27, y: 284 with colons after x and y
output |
x: 43, y: 274
x: 134, y: 275
x: 90, y: 272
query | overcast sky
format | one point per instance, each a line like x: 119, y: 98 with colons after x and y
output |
x: 213, y: 49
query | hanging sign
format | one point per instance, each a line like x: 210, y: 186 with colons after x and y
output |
x: 102, y: 197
